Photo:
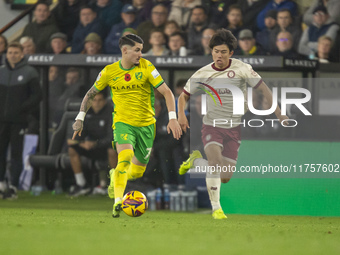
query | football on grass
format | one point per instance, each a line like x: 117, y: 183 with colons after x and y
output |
x: 134, y: 203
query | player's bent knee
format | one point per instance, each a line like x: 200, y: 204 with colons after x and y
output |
x: 72, y: 152
x: 225, y: 180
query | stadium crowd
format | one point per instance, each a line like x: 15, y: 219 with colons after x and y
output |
x: 173, y: 28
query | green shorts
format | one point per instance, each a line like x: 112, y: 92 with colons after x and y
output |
x: 141, y: 138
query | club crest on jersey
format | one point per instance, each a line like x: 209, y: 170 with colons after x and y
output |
x: 139, y: 75
x: 231, y: 74
x: 127, y: 77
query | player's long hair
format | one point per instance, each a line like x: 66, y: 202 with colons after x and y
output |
x: 223, y: 36
x: 130, y: 39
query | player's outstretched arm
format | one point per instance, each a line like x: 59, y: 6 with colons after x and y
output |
x: 173, y: 125
x: 182, y: 119
x: 84, y: 107
x: 266, y: 92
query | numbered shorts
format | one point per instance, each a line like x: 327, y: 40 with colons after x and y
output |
x: 228, y: 139
x: 141, y: 138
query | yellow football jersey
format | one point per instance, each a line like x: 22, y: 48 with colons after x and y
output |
x: 132, y: 91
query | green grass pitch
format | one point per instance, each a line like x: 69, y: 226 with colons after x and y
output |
x: 59, y: 225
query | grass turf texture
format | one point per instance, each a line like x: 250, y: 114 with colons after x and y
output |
x: 57, y: 224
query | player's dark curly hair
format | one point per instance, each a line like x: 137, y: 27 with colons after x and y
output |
x: 130, y: 39
x: 223, y: 36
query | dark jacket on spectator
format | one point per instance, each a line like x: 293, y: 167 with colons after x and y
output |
x: 288, y: 54
x: 41, y: 33
x: 109, y: 14
x: 81, y: 32
x: 194, y: 36
x: 111, y: 45
x: 287, y: 4
x: 250, y: 12
x: 309, y: 38
x: 20, y: 92
x: 67, y: 17
x: 295, y: 30
x: 218, y: 11
x: 263, y: 39
x: 98, y: 127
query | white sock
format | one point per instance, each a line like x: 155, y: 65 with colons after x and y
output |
x: 213, y: 181
x: 80, y: 179
x: 2, y: 186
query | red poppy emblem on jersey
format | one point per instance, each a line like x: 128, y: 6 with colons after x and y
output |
x: 127, y: 77
x: 231, y: 74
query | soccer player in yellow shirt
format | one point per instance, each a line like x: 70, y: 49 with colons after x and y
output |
x: 132, y: 81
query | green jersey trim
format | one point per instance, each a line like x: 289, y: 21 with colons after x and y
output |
x: 121, y: 67
x: 159, y: 84
x: 96, y: 88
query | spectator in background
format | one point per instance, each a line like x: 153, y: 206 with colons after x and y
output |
x: 176, y: 45
x: 168, y: 161
x: 66, y: 14
x: 92, y: 45
x: 218, y: 10
x: 276, y: 5
x: 72, y: 89
x: 28, y: 45
x: 55, y: 84
x: 333, y: 8
x: 285, y: 23
x: 158, y: 42
x: 322, y: 25
x: 204, y: 49
x: 41, y: 29
x: 94, y: 143
x: 128, y: 20
x: 159, y: 16
x: 263, y: 37
x: 20, y: 94
x: 108, y: 13
x: 285, y: 47
x: 234, y: 19
x: 171, y: 27
x: 198, y: 22
x: 247, y: 44
x: 250, y: 10
x: 56, y: 88
x: 325, y: 44
x: 143, y: 8
x: 3, y: 48
x: 181, y: 10
x: 58, y: 43
x: 88, y: 24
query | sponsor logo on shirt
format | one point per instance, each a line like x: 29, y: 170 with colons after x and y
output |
x: 155, y: 73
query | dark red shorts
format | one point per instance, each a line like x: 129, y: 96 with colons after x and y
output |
x: 228, y: 139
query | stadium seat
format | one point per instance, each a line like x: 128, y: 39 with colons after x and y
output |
x: 57, y: 156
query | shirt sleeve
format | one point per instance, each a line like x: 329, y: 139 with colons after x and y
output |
x: 252, y: 77
x: 101, y: 81
x: 193, y: 84
x: 154, y: 76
